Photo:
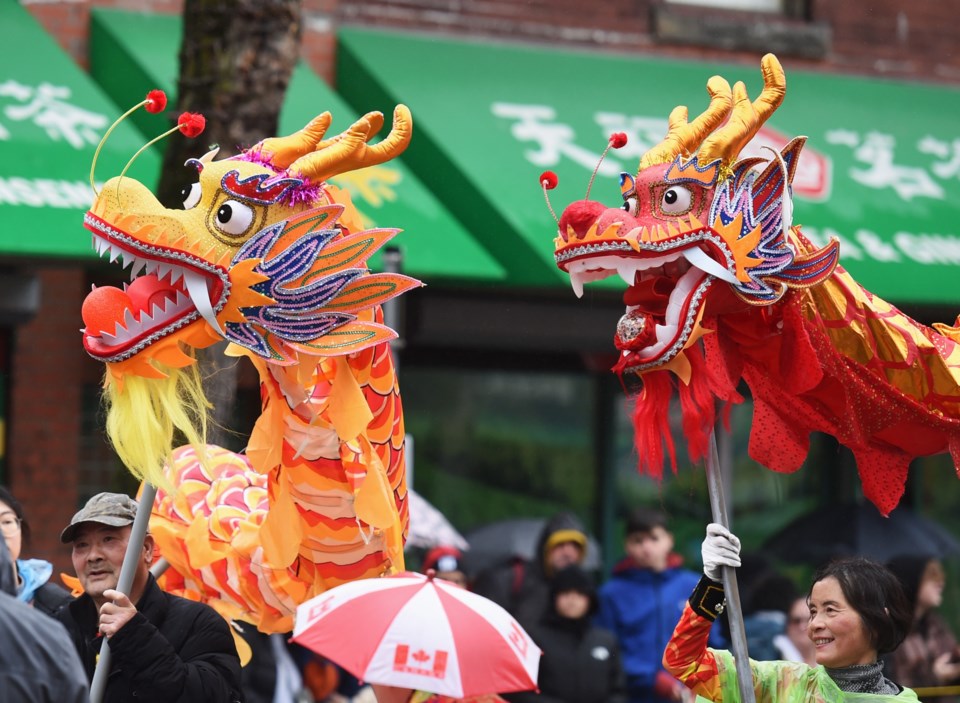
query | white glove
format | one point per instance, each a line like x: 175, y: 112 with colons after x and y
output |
x: 720, y: 548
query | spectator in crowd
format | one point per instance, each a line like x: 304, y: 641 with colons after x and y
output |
x: 581, y: 662
x: 37, y: 663
x: 32, y: 575
x: 447, y: 564
x: 858, y: 611
x: 522, y: 588
x: 929, y: 655
x: 163, y: 647
x: 797, y: 620
x: 766, y: 597
x: 642, y: 602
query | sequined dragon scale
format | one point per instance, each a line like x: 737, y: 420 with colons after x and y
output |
x: 270, y: 256
x: 706, y: 246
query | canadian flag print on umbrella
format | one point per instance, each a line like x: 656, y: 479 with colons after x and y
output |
x: 414, y: 631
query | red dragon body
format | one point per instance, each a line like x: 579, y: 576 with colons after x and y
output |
x: 707, y: 248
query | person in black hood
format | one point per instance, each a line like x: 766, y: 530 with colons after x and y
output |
x: 581, y: 662
x: 523, y: 588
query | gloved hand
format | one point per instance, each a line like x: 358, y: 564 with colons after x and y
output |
x: 720, y: 548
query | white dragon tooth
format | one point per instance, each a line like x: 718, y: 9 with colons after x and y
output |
x: 175, y: 273
x: 146, y: 321
x: 627, y: 272
x: 163, y: 270
x: 138, y: 266
x: 197, y: 288
x: 129, y: 320
x: 576, y: 282
x: 115, y: 253
x: 699, y: 258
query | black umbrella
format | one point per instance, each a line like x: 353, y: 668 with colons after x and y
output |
x: 498, y: 542
x: 858, y: 529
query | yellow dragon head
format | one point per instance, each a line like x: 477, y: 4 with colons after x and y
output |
x: 263, y: 252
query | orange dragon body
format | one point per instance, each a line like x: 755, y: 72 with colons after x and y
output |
x: 707, y: 248
x: 269, y: 256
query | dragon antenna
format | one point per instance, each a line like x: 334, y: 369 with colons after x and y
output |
x: 155, y: 102
x: 190, y: 124
x: 616, y: 140
x: 548, y: 181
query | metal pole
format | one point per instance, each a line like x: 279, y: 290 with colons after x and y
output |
x: 738, y: 636
x: 392, y: 310
x: 127, y: 571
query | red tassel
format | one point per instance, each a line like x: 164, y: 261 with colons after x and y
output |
x: 651, y: 424
x: 697, y: 407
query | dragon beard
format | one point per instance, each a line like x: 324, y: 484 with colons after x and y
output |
x: 145, y: 415
x: 651, y: 415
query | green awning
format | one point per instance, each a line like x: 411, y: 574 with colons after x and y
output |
x: 52, y: 116
x: 881, y: 169
x: 434, y: 245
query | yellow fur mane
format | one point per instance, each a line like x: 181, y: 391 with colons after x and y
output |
x: 142, y: 419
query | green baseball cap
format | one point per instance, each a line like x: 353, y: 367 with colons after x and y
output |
x: 113, y: 509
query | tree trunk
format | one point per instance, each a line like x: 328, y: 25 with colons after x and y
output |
x: 236, y: 60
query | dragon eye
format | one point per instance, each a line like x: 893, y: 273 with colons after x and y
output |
x: 190, y: 195
x: 630, y: 205
x: 676, y: 201
x: 234, y: 217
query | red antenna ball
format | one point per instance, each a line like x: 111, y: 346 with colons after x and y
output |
x: 618, y: 139
x: 191, y: 124
x: 549, y: 180
x: 156, y: 101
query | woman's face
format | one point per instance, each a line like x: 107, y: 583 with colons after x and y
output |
x: 930, y: 592
x: 836, y: 629
x: 13, y: 540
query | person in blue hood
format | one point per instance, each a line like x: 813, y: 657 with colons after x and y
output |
x: 641, y: 604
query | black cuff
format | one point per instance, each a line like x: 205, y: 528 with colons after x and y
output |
x: 707, y: 599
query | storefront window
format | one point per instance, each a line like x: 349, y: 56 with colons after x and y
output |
x: 490, y: 445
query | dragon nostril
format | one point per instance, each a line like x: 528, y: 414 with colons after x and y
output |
x: 579, y: 216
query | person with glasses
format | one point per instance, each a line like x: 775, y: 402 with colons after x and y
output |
x: 797, y: 619
x: 32, y: 575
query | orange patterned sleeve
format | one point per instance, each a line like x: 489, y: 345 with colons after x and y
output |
x: 688, y: 659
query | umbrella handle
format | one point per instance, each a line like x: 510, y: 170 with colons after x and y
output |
x: 738, y: 636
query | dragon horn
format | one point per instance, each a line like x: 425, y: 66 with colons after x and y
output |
x: 283, y: 151
x: 374, y: 119
x: 683, y: 137
x: 350, y: 151
x: 747, y: 117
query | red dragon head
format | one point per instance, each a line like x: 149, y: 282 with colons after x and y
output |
x: 699, y: 234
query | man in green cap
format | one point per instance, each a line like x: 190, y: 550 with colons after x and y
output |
x: 163, y: 647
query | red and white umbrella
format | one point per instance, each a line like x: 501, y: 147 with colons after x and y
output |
x: 417, y: 632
